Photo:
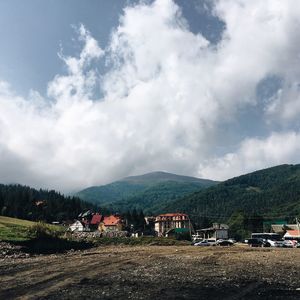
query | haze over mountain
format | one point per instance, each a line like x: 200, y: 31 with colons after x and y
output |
x: 148, y: 191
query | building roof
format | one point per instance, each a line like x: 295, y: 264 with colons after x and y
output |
x: 76, y: 223
x: 277, y: 228
x: 172, y: 215
x: 295, y: 233
x: 210, y: 229
x: 291, y: 226
x: 178, y: 230
x: 111, y: 220
x: 281, y: 228
x: 96, y: 219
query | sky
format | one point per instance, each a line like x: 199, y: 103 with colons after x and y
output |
x: 94, y: 91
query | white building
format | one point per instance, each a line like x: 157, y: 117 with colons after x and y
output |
x: 76, y: 226
x: 166, y: 222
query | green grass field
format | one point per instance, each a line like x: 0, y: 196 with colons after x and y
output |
x: 16, y: 230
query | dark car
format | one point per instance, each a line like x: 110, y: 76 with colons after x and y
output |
x: 257, y: 243
x: 225, y: 243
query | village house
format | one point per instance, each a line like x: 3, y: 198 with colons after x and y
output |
x: 95, y: 221
x: 166, y: 222
x: 85, y: 218
x: 77, y: 226
x: 292, y: 235
x: 111, y: 223
x: 216, y: 232
x: 287, y: 231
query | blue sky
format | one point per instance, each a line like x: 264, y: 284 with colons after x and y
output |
x: 93, y: 91
x: 34, y: 31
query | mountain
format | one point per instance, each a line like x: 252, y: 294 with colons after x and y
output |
x: 270, y: 192
x: 159, y: 177
x: 148, y: 192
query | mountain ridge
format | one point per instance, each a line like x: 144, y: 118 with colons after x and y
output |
x: 137, y: 188
x: 164, y: 176
x: 269, y: 192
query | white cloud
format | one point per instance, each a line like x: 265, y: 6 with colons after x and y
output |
x: 166, y: 95
x: 255, y: 154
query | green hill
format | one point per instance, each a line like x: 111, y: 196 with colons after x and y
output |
x: 13, y: 230
x: 273, y: 192
x: 148, y: 192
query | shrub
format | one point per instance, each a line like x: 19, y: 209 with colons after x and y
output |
x: 42, y: 231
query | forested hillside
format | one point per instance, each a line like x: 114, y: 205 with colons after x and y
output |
x: 152, y: 199
x: 273, y: 192
x: 27, y: 203
x: 149, y: 192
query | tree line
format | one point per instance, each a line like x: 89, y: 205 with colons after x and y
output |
x: 40, y: 205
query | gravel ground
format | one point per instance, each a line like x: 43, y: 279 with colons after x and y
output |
x: 154, y: 272
x: 9, y: 251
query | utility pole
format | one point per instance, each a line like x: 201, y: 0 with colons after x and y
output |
x: 190, y: 227
x: 298, y: 225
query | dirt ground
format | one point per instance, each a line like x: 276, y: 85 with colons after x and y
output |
x: 154, y: 272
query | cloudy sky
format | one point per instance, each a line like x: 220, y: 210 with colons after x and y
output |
x: 93, y: 91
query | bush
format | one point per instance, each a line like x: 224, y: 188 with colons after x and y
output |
x: 43, y: 231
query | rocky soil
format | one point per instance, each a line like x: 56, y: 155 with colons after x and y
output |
x: 10, y: 251
x: 154, y: 272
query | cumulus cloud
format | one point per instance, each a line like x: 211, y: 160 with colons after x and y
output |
x: 255, y: 154
x: 166, y: 95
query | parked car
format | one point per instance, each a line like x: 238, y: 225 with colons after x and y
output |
x: 289, y: 244
x: 212, y: 242
x: 272, y: 243
x: 202, y: 243
x: 257, y: 243
x: 225, y: 243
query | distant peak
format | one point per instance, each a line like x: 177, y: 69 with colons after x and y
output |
x: 158, y: 176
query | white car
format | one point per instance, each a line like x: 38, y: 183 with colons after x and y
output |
x: 202, y: 243
x: 275, y: 243
x: 289, y: 244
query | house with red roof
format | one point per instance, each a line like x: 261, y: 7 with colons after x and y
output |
x: 95, y: 221
x: 111, y: 223
x: 166, y: 222
x: 292, y: 234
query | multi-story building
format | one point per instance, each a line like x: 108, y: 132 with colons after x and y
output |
x: 164, y: 223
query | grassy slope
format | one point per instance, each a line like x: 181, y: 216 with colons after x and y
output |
x: 12, y: 229
x: 16, y: 230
